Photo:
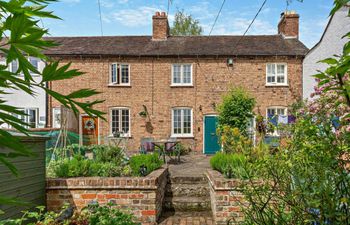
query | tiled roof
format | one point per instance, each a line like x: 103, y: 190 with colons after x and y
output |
x: 178, y: 46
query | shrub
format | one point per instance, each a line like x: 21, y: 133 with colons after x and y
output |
x: 108, y: 153
x: 92, y: 215
x: 230, y: 165
x: 233, y: 141
x: 109, y: 161
x: 149, y: 161
x: 236, y: 109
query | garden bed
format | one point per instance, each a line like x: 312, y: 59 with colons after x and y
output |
x: 226, y: 198
x: 143, y: 196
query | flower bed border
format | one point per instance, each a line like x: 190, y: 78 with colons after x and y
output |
x: 226, y: 198
x: 143, y: 196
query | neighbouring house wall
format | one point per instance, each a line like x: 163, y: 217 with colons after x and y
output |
x: 330, y: 44
x: 29, y: 186
x: 150, y: 86
x: 141, y: 196
x: 21, y: 99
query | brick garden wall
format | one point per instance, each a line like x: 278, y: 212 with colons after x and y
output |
x: 150, y: 80
x: 226, y: 199
x: 143, y: 196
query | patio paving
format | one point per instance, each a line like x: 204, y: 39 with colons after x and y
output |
x: 190, y: 165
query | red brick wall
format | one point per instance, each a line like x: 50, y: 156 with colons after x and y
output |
x: 150, y: 86
x: 289, y: 25
x: 142, y: 197
x: 226, y: 200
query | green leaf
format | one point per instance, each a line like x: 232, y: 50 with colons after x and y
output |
x: 329, y: 61
x: 83, y: 93
x: 52, y: 72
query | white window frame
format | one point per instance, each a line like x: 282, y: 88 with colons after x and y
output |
x: 118, y: 64
x: 120, y: 122
x: 31, y: 72
x: 182, y: 84
x: 276, y: 133
x: 26, y: 117
x: 285, y: 83
x: 55, y: 111
x: 276, y: 108
x: 182, y: 135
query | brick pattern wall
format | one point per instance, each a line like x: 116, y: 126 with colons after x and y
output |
x: 289, y: 25
x: 160, y: 26
x: 150, y: 80
x: 226, y: 200
x: 141, y: 196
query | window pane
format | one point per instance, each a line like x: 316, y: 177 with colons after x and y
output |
x: 125, y: 121
x: 31, y: 118
x: 56, y: 117
x: 187, y: 76
x: 281, y: 111
x: 271, y: 69
x: 115, y: 120
x: 177, y: 121
x: 280, y: 79
x: 280, y: 69
x: 14, y: 66
x: 271, y: 79
x: 187, y: 121
x: 113, y: 73
x: 176, y: 74
x: 125, y: 74
x: 271, y: 111
x: 34, y: 62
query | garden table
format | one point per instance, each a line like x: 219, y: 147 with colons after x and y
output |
x: 121, y: 142
x: 162, y: 145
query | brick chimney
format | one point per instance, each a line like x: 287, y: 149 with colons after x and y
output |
x: 160, y: 26
x: 289, y: 24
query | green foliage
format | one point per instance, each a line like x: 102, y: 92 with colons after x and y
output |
x: 109, y: 215
x: 109, y: 161
x: 236, y: 109
x: 185, y: 25
x: 22, y: 37
x: 91, y: 215
x: 230, y: 165
x: 151, y: 161
x: 233, y: 141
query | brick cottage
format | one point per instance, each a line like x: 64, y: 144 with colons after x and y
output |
x: 165, y: 86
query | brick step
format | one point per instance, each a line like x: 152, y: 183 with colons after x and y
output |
x: 188, y: 180
x: 187, y: 204
x: 186, y: 218
x: 187, y: 190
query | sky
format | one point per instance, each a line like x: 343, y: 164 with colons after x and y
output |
x: 134, y: 17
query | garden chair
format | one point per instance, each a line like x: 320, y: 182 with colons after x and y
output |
x: 171, y: 149
x: 147, y: 146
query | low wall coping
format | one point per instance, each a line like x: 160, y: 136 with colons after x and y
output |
x: 220, y: 183
x: 150, y: 182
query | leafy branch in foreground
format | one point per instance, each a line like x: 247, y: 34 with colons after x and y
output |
x: 22, y: 37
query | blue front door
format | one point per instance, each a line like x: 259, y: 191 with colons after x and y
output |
x: 211, y: 140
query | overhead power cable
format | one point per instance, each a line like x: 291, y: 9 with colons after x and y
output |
x: 256, y: 15
x: 99, y: 10
x: 169, y: 3
x: 217, y: 16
